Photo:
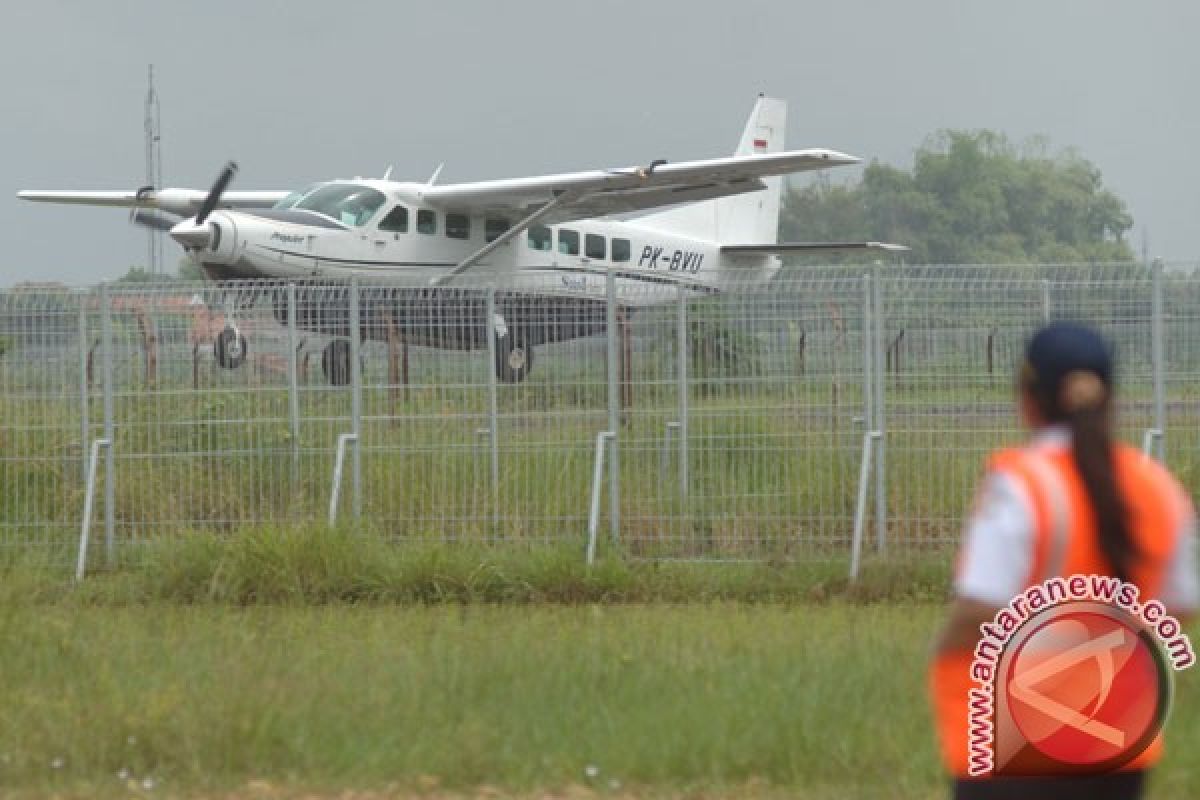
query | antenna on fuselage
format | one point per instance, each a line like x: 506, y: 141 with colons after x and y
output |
x: 433, y: 178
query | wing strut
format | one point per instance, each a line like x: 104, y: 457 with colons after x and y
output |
x: 504, y: 238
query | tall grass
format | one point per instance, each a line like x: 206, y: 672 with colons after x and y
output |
x: 317, y: 565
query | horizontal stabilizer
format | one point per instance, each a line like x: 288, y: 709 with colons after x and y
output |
x: 810, y: 247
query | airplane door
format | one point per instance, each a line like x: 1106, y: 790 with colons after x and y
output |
x: 391, y: 235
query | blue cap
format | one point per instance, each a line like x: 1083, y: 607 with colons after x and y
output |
x: 1063, y: 347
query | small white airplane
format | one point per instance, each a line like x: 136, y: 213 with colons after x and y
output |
x: 706, y: 226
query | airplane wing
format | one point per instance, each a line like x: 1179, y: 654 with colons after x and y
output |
x: 184, y: 202
x: 580, y: 195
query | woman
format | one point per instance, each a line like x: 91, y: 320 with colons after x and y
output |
x: 1071, y: 502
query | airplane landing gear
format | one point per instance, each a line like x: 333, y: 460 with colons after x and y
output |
x: 514, y: 357
x: 335, y: 362
x: 230, y: 348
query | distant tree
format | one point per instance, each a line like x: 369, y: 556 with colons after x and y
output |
x: 971, y: 197
x: 189, y: 270
x: 140, y: 275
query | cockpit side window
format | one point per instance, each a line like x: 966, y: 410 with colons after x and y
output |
x: 396, y: 221
x: 348, y: 203
x: 540, y: 238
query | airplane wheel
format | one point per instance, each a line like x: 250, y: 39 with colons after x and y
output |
x: 514, y: 357
x: 280, y: 308
x: 230, y: 348
x: 335, y: 362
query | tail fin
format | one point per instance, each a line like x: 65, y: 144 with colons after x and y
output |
x: 751, y: 218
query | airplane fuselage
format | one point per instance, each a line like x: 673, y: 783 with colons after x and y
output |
x: 405, y: 239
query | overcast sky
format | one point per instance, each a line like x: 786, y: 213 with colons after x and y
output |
x: 300, y: 91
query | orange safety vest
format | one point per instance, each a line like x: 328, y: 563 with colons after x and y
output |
x: 1065, y: 543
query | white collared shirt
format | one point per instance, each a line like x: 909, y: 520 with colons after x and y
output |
x: 997, y: 550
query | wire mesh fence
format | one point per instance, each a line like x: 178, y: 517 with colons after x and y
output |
x: 472, y: 412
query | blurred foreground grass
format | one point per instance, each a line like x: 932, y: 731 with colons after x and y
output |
x: 288, y: 663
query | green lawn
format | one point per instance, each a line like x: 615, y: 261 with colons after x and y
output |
x: 808, y: 699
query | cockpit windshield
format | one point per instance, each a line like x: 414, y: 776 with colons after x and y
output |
x: 295, y: 197
x: 348, y: 203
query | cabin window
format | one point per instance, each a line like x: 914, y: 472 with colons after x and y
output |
x: 620, y: 250
x: 458, y: 226
x: 426, y: 221
x: 494, y: 228
x: 396, y: 221
x: 593, y: 246
x: 540, y: 238
x: 568, y: 242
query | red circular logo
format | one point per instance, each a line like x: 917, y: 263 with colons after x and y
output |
x: 1086, y: 686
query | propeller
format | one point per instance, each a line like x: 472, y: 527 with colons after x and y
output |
x: 218, y: 189
x: 197, y: 233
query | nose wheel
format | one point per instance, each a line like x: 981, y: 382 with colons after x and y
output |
x: 514, y: 357
x: 230, y: 348
x: 335, y: 362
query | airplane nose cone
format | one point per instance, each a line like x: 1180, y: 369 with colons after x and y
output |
x: 191, y: 235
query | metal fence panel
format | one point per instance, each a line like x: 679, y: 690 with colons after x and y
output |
x: 739, y: 417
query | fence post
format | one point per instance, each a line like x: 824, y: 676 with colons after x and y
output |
x: 870, y: 439
x: 293, y: 383
x: 356, y: 398
x: 1047, y: 305
x: 84, y: 426
x: 868, y: 355
x: 594, y: 505
x: 879, y: 320
x: 339, y: 460
x: 489, y: 330
x: 1158, y: 359
x: 614, y: 409
x: 110, y: 489
x: 682, y: 322
x: 89, y: 493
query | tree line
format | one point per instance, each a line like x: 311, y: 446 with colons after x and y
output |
x: 971, y: 197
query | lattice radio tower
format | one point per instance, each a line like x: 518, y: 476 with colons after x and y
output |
x: 154, y: 245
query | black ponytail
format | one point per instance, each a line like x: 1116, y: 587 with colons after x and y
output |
x: 1083, y: 403
x: 1091, y: 448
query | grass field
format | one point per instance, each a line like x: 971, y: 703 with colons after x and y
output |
x: 313, y: 679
